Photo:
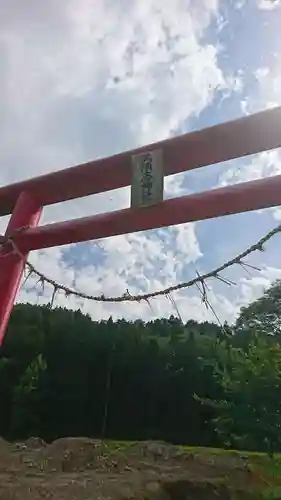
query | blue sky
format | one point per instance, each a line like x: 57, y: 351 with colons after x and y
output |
x: 82, y: 80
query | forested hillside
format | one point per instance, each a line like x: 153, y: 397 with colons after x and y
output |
x: 61, y: 374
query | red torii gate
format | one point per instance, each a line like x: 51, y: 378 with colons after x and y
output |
x: 25, y: 200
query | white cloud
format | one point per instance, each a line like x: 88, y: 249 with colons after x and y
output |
x: 253, y: 287
x: 239, y: 4
x: 131, y: 262
x: 277, y: 214
x: 69, y: 108
x: 268, y: 4
x: 269, y: 80
x: 147, y: 71
x: 265, y: 164
x: 80, y: 80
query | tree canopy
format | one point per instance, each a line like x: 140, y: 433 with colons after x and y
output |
x: 62, y: 374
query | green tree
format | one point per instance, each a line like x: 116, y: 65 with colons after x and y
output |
x: 63, y: 374
x: 249, y: 413
x: 24, y: 417
x: 264, y: 314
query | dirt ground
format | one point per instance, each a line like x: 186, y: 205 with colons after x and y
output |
x: 84, y: 469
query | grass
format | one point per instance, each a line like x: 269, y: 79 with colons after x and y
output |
x: 220, y: 451
x: 266, y: 468
x: 119, y: 445
x: 269, y: 469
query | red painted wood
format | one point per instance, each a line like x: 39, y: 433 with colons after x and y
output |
x: 245, y: 136
x: 242, y: 197
x: 26, y: 212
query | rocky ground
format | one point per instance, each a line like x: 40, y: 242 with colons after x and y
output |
x: 84, y: 469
